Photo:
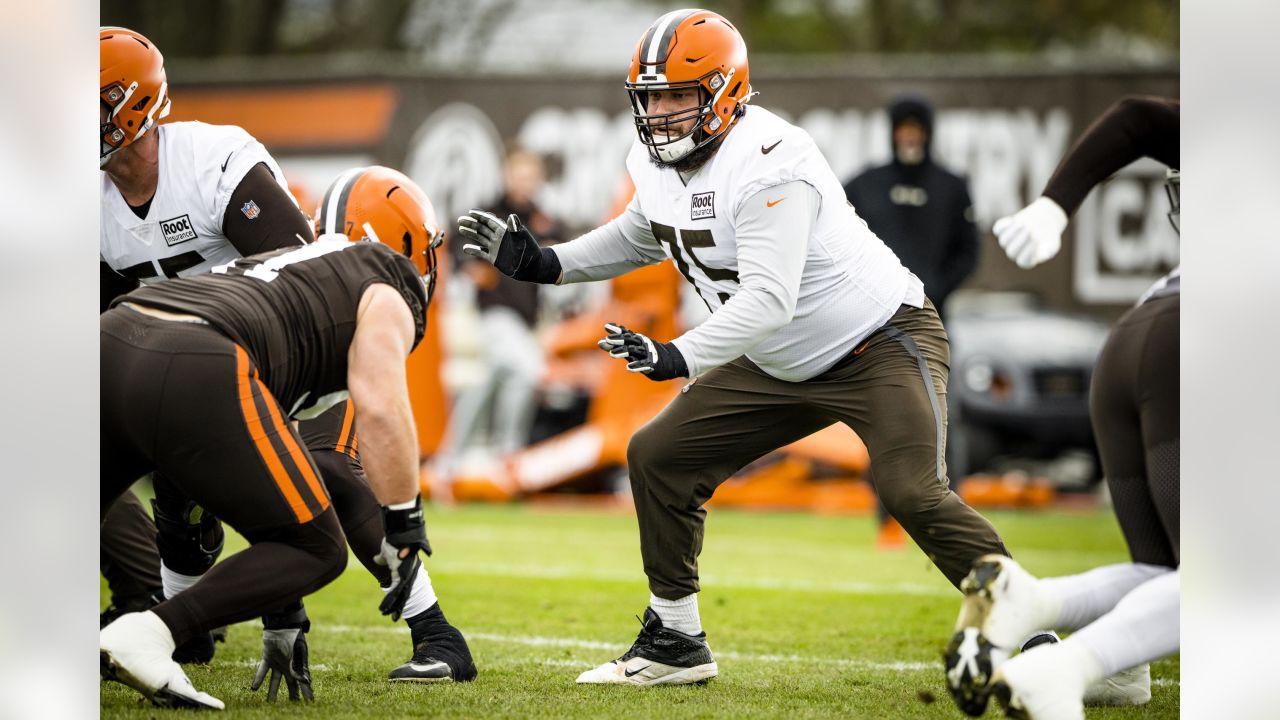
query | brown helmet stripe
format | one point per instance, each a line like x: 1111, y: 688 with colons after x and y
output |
x: 665, y: 43
x: 334, y: 206
x: 653, y: 51
x: 648, y: 40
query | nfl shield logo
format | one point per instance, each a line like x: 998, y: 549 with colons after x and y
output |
x: 250, y: 210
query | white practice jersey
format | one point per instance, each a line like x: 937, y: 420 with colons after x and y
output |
x: 200, y: 167
x: 813, y: 297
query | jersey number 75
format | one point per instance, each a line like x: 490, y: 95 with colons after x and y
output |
x: 690, y: 239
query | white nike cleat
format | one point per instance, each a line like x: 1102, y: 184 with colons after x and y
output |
x: 1004, y: 602
x: 1003, y: 605
x: 659, y: 656
x: 639, y: 671
x: 137, y: 650
x: 1127, y: 687
x: 1046, y: 683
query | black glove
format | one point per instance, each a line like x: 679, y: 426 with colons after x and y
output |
x: 509, y: 246
x: 404, y: 529
x: 657, y: 360
x: 284, y: 655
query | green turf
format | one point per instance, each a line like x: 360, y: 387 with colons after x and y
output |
x: 805, y: 617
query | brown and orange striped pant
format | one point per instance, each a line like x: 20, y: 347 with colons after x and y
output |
x: 182, y: 399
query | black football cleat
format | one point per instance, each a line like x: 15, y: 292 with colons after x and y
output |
x: 440, y: 652
x: 659, y: 656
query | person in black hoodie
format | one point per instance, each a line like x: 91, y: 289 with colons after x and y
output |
x: 919, y: 209
x: 923, y: 213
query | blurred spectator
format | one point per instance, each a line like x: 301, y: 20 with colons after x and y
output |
x: 920, y: 210
x: 923, y: 213
x: 503, y: 401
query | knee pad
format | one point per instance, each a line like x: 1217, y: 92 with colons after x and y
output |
x: 188, y: 538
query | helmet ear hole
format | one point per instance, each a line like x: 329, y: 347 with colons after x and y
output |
x: 408, y: 244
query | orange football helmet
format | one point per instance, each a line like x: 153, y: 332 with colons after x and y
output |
x: 689, y: 49
x: 383, y: 205
x: 133, y: 88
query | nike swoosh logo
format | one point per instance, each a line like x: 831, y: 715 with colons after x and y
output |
x: 424, y: 668
x: 775, y: 202
x: 860, y: 348
x: 629, y: 673
x: 767, y: 150
x: 224, y: 162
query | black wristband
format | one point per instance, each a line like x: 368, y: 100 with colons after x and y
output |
x: 547, y: 269
x: 404, y: 527
x: 678, y: 365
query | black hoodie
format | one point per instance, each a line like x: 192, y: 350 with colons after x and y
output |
x: 922, y: 212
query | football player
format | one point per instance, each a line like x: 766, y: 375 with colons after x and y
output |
x: 230, y: 200
x: 1124, y: 615
x: 381, y: 204
x: 177, y: 199
x: 200, y: 376
x: 814, y: 321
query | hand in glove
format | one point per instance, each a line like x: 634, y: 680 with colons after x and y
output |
x: 284, y: 655
x: 406, y: 534
x: 509, y: 246
x: 1033, y: 234
x: 657, y: 360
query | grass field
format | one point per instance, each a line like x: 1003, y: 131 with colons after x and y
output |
x: 806, y: 620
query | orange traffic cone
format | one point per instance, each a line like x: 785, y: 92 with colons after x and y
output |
x: 891, y: 535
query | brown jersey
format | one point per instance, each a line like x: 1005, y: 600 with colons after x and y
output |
x: 293, y: 310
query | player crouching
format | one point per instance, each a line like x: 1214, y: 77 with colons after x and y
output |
x: 200, y: 378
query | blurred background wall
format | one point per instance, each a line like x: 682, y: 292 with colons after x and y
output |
x: 442, y: 87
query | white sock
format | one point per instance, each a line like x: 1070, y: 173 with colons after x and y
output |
x: 421, y: 596
x: 174, y: 583
x: 679, y: 615
x: 1143, y: 626
x: 1090, y: 595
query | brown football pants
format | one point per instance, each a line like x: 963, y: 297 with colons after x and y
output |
x: 130, y: 560
x: 332, y: 441
x: 891, y: 390
x: 1134, y: 403
x: 184, y: 400
x: 127, y: 555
